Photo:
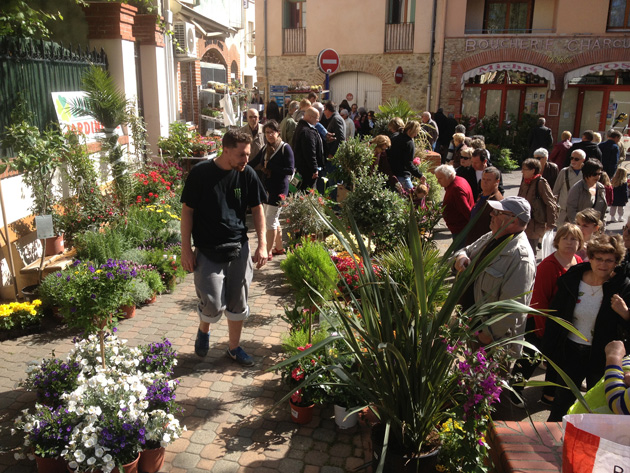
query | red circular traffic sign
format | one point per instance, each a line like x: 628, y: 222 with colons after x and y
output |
x: 349, y: 97
x: 398, y: 75
x: 328, y: 61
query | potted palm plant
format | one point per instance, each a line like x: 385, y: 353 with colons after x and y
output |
x: 108, y: 105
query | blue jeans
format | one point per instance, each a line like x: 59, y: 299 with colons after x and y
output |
x: 405, y: 181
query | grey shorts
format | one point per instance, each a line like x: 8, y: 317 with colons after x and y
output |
x: 223, y: 287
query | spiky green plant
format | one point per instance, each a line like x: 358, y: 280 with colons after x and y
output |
x: 399, y: 337
x: 396, y: 107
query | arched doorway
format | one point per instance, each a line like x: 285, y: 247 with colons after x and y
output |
x: 234, y: 72
x: 366, y: 89
x: 213, y: 67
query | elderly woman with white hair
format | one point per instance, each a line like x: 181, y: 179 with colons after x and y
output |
x: 548, y: 170
x: 458, y: 200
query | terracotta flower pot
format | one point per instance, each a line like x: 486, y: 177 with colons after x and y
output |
x: 151, y: 461
x: 301, y: 415
x: 54, y: 245
x: 152, y: 300
x: 51, y: 465
x: 127, y: 311
x: 128, y: 468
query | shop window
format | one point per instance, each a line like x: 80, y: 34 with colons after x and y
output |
x: 508, y: 16
x: 507, y: 77
x: 295, y: 14
x: 401, y: 11
x: 619, y: 15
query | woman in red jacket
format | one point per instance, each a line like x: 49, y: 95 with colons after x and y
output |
x: 567, y: 242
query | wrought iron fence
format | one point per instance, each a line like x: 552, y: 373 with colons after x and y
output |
x: 32, y: 69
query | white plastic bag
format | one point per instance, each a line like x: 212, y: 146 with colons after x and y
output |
x: 596, y: 443
x: 547, y: 243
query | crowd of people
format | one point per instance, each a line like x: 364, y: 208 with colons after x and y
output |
x: 584, y: 281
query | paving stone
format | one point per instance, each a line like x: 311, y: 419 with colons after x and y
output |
x: 185, y: 460
x: 224, y: 466
x: 331, y: 469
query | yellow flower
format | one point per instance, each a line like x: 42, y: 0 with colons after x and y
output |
x: 159, y: 211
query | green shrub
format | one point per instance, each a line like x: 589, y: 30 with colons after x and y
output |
x: 299, y: 338
x: 502, y: 158
x: 380, y: 213
x: 153, y: 279
x: 310, y: 272
x: 352, y: 156
x: 99, y: 246
x: 140, y: 292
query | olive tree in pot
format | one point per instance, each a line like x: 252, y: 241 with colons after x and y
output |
x: 107, y: 104
x: 37, y: 158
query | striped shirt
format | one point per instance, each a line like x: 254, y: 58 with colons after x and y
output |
x: 617, y: 393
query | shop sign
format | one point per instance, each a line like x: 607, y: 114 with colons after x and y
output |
x: 547, y: 44
x: 70, y: 121
x: 510, y: 66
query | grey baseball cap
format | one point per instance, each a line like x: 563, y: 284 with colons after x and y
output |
x: 517, y: 205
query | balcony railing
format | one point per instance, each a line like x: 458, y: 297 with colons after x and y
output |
x: 399, y: 37
x: 294, y: 41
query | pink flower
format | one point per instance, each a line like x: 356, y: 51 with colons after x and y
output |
x: 416, y: 161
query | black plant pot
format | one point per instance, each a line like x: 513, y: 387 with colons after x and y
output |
x: 396, y: 459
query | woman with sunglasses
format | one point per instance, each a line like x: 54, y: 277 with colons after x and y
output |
x: 567, y: 178
x: 589, y: 192
x: 594, y: 298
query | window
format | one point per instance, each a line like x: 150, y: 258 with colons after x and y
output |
x: 295, y: 14
x: 619, y: 15
x: 401, y: 11
x: 508, y: 16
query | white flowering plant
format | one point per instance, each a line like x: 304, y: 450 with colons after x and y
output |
x: 162, y: 428
x: 106, y: 415
x: 113, y: 410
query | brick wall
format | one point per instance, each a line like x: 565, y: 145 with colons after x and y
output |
x: 147, y: 31
x: 526, y: 447
x: 110, y: 20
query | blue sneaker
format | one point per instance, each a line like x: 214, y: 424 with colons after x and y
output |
x: 202, y: 343
x: 239, y: 355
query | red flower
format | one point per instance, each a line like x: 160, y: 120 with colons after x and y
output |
x: 297, y: 373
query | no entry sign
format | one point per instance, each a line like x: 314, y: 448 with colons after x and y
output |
x: 328, y: 61
x: 398, y: 75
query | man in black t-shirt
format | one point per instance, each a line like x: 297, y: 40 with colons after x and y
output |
x: 215, y: 199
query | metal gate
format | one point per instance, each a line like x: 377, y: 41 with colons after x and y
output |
x: 366, y: 89
x: 32, y: 69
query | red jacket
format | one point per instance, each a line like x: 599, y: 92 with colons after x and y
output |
x: 457, y: 203
x: 545, y: 287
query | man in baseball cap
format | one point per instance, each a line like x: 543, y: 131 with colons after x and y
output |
x: 510, y: 275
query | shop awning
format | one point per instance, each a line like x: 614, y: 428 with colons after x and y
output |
x: 511, y: 66
x: 206, y: 26
x: 594, y: 69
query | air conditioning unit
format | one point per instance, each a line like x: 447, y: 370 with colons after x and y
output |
x: 187, y: 42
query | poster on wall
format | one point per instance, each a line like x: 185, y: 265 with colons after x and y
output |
x: 71, y: 121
